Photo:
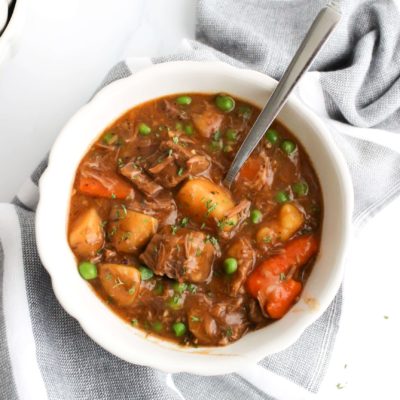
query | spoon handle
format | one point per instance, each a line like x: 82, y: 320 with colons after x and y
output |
x: 317, y: 35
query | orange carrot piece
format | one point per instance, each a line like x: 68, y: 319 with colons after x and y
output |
x: 268, y: 282
x: 92, y: 187
x: 282, y: 298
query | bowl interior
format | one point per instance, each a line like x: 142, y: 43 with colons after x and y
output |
x: 76, y: 295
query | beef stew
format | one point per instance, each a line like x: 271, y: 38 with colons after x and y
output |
x: 168, y: 247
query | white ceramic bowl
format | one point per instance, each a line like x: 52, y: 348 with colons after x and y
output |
x: 76, y: 295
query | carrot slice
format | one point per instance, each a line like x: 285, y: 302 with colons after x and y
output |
x: 268, y: 281
x: 282, y: 298
x: 92, y: 187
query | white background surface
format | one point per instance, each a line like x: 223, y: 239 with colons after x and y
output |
x: 65, y: 51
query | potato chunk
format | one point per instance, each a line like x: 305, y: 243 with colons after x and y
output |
x: 121, y: 282
x: 131, y: 231
x: 204, y: 201
x: 87, y: 236
x: 290, y: 220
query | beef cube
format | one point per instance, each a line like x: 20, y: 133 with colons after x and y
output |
x: 181, y: 254
x: 140, y: 179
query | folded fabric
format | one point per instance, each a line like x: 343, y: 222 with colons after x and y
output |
x: 43, y: 351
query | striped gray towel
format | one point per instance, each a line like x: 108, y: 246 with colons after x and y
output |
x: 44, y: 354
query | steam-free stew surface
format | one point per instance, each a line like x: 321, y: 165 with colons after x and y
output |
x: 169, y: 248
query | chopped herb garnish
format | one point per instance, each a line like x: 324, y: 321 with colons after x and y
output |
x: 195, y: 319
x: 203, y: 225
x: 159, y: 288
x: 228, y: 332
x: 120, y: 162
x: 175, y: 139
x: 124, y: 209
x: 199, y: 252
x: 213, y: 240
x: 112, y: 231
x: 210, y: 207
x: 225, y: 222
x: 126, y: 236
x: 184, y: 221
x: 282, y: 276
x: 113, y: 196
x: 118, y: 282
x: 132, y: 290
x: 174, y: 229
x: 108, y: 276
x: 192, y: 288
x: 180, y: 171
x: 169, y: 152
x: 267, y: 239
x: 103, y: 223
x: 339, y: 386
x: 134, y: 322
x: 179, y: 287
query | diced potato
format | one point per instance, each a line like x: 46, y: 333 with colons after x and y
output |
x: 204, y: 201
x: 121, y: 282
x: 290, y: 220
x: 87, y: 236
x: 132, y: 231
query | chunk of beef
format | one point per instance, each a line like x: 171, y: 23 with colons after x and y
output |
x: 216, y: 321
x: 181, y: 254
x: 140, y: 180
x: 177, y: 164
x: 162, y: 207
x: 208, y: 122
x: 256, y: 173
x: 246, y: 257
x: 238, y: 215
x: 174, y: 111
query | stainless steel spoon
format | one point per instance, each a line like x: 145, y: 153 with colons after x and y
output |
x: 317, y: 35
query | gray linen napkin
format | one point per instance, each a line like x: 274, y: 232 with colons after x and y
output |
x: 360, y: 70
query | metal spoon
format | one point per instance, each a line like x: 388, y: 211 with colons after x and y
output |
x: 317, y: 35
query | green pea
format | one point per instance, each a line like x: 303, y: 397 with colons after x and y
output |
x: 157, y: 326
x: 225, y: 103
x: 256, y: 216
x: 87, y: 270
x: 281, y: 197
x: 179, y: 328
x: 272, y: 136
x: 230, y: 265
x: 300, y: 188
x: 184, y: 100
x: 144, y: 129
x: 179, y: 287
x: 288, y: 146
x: 231, y: 134
x: 188, y: 129
x: 145, y: 273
